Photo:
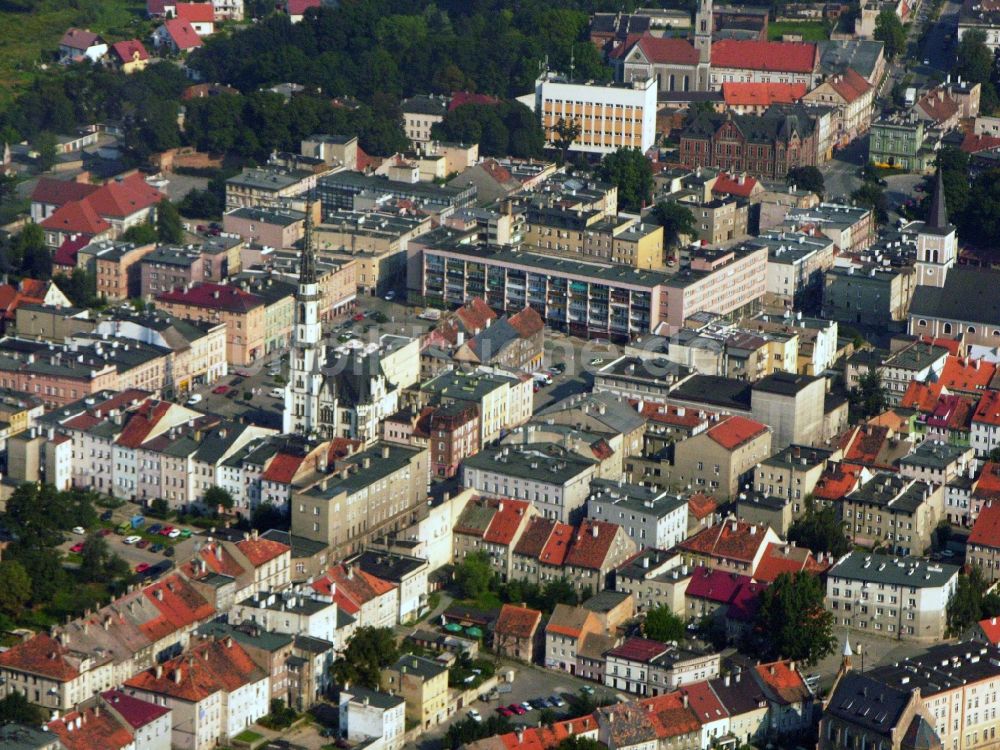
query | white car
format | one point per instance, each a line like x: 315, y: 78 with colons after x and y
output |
x: 596, y: 361
x: 195, y: 399
x: 79, y: 530
x: 131, y: 539
x: 390, y: 296
x: 475, y: 715
x: 174, y: 534
x: 277, y: 393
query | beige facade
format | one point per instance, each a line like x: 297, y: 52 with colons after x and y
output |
x: 597, y: 235
x: 423, y: 684
x: 894, y: 512
x: 709, y: 466
x: 245, y: 319
x: 115, y: 267
x: 719, y: 220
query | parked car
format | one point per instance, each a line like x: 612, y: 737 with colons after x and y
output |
x: 195, y: 399
x: 505, y: 712
x: 526, y: 706
x: 106, y: 515
x: 155, y: 528
x: 132, y: 539
x: 156, y: 548
x: 539, y: 703
x: 165, y: 531
x: 78, y: 547
x: 168, y: 552
x: 277, y: 393
x: 474, y: 715
x: 142, y: 567
x: 517, y: 708
x: 142, y: 544
x: 557, y: 701
x: 390, y: 296
x: 222, y: 390
x: 104, y: 532
x: 174, y: 533
x: 79, y: 530
x: 186, y: 533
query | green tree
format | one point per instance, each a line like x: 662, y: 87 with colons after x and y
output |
x: 870, y: 397
x: 567, y: 131
x: 169, y: 227
x: 98, y: 562
x: 792, y: 622
x: 807, y: 178
x: 15, y: 588
x: 141, y: 234
x: 954, y: 165
x: 889, y: 30
x: 44, y: 144
x: 201, y: 204
x: 15, y: 709
x: 218, y: 497
x: 980, y: 222
x: 159, y: 508
x: 966, y: 606
x: 871, y: 195
x: 995, y: 455
x: 975, y: 62
x: 267, y: 516
x: 631, y: 172
x: 8, y: 185
x: 29, y: 255
x: 676, y: 220
x: 560, y: 591
x: 820, y: 530
x: 473, y: 575
x: 80, y: 286
x: 661, y: 624
x: 469, y: 730
x: 369, y: 651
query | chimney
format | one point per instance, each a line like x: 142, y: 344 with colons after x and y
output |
x: 159, y: 671
x: 177, y: 676
x: 594, y: 531
x: 385, y: 451
x: 366, y: 462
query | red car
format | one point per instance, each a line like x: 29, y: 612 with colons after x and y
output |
x: 515, y: 708
x: 222, y: 390
x: 78, y: 547
x: 165, y: 531
x: 142, y: 544
x: 142, y: 567
x: 358, y: 317
x: 505, y: 712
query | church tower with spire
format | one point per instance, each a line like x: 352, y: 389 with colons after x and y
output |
x: 936, y: 241
x: 704, y: 24
x: 308, y: 355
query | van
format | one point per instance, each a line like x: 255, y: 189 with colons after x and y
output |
x: 277, y: 393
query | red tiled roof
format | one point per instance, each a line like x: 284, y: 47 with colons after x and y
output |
x: 517, y: 622
x: 953, y: 346
x: 141, y: 423
x: 96, y: 730
x: 701, y: 505
x: 183, y: 34
x: 922, y: 397
x: 704, y: 702
x: 850, y: 84
x: 527, y: 322
x: 196, y: 12
x: 299, y: 7
x: 863, y: 446
x: 211, y: 666
x: 963, y: 374
x: 986, y: 529
x: 156, y: 7
x: 461, y: 98
x: 784, y: 681
x: 506, y: 521
x: 78, y: 217
x: 55, y: 192
x: 974, y: 144
x: 66, y: 254
x: 715, y: 585
x: 42, y: 655
x: 474, y: 314
x: 557, y: 545
x: 744, y: 606
x: 988, y: 482
x: 493, y: 168
x: 988, y: 410
x: 938, y: 105
x: 991, y: 630
x: 127, y: 51
x: 733, y: 432
x: 730, y: 539
x: 124, y: 196
x: 180, y: 606
x: 535, y: 537
x: 952, y: 412
x: 738, y: 94
x: 214, y: 297
x: 670, y: 414
x: 591, y: 544
x: 836, y: 483
x: 260, y: 551
x: 638, y: 649
x: 750, y: 54
x: 741, y: 186
x: 669, y: 715
x: 547, y: 738
x: 660, y: 50
x: 79, y: 39
x: 282, y: 468
x: 783, y: 558
x: 137, y: 712
x: 227, y: 565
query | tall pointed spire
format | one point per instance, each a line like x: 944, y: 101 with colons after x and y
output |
x: 307, y: 270
x: 937, y: 217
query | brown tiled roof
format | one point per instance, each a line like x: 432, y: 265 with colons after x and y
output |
x: 535, y: 537
x: 517, y: 622
x: 591, y: 544
x: 96, y: 730
x: 506, y: 521
x: 735, y: 431
x: 527, y: 322
x: 210, y: 667
x: 850, y: 84
x: 42, y: 655
x: 571, y: 621
x: 731, y: 539
x: 260, y: 551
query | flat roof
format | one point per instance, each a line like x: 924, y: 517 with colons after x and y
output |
x: 893, y: 570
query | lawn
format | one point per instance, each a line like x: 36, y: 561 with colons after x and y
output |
x: 30, y: 38
x: 810, y: 31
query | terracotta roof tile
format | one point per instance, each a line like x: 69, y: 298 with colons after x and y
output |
x: 77, y: 217
x: 95, y: 731
x: 786, y: 683
x: 703, y: 702
x: 517, y: 622
x: 671, y: 718
x: 701, y: 505
x: 196, y: 12
x: 988, y: 410
x: 740, y: 186
x: 42, y: 655
x: 792, y: 57
x: 641, y: 650
x: 986, y: 529
x: 991, y: 630
x: 988, y: 482
x: 214, y: 297
x: 210, y: 667
x: 715, y: 585
x: 739, y: 94
x: 733, y: 432
x: 850, y: 84
x: 527, y: 322
x: 964, y: 374
x: 79, y: 39
x: 783, y: 558
x: 663, y: 50
x: 535, y: 537
x: 142, y: 422
x: 835, y: 483
x: 130, y: 50
x: 938, y: 105
x: 183, y: 34
x: 66, y: 254
x: 670, y: 414
x: 920, y: 396
x: 730, y: 539
x: 124, y: 196
x: 506, y: 522
x: 974, y: 144
x: 557, y: 546
x: 591, y: 544
x: 261, y: 551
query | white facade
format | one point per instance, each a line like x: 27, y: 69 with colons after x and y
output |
x: 610, y: 116
x: 290, y: 612
x: 367, y: 715
x: 246, y: 704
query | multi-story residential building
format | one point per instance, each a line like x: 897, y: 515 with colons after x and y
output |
x: 873, y: 296
x: 420, y: 114
x: 423, y: 684
x: 768, y: 145
x: 795, y: 266
x: 453, y: 436
x: 792, y: 473
x: 984, y: 540
x: 850, y: 228
x: 565, y: 632
x: 792, y: 405
x: 372, y: 601
x: 898, y: 141
x: 515, y: 342
x: 981, y: 17
x: 610, y: 116
x: 935, y: 462
x: 168, y: 268
x: 651, y: 517
x: 504, y: 401
x: 555, y: 480
x: 853, y: 97
x: 267, y: 187
x: 894, y: 511
x: 367, y: 715
x: 719, y: 220
x: 116, y: 267
x: 754, y: 61
x: 242, y: 312
x: 733, y: 546
x: 627, y: 241
x: 376, y: 241
x: 518, y: 634
x: 270, y: 227
x: 646, y: 667
x: 367, y: 495
x: 292, y: 612
x: 654, y: 578
x: 900, y: 597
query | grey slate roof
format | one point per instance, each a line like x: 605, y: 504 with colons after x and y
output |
x: 968, y: 295
x: 869, y: 703
x: 886, y: 569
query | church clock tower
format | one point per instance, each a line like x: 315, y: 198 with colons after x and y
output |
x: 305, y: 378
x: 704, y: 24
x: 936, y: 242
